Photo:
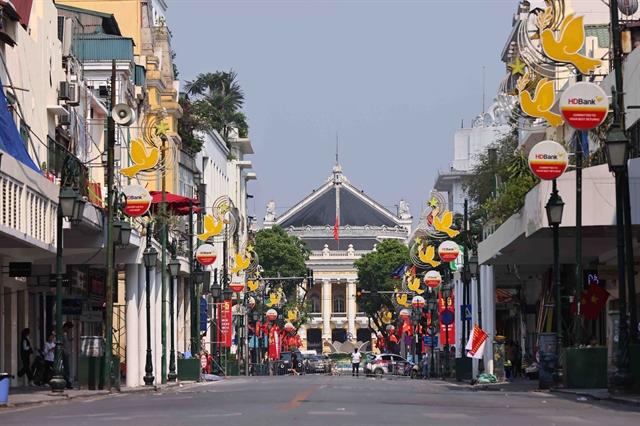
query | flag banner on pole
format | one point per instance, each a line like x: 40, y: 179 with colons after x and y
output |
x: 336, y: 236
x: 477, y: 340
x: 594, y: 301
x: 447, y: 305
x: 399, y: 273
x: 224, y: 324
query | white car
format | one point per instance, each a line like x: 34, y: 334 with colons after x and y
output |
x: 390, y: 364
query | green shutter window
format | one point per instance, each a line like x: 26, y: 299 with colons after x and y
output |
x: 24, y: 133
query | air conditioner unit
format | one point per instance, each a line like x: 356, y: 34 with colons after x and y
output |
x: 64, y: 120
x: 64, y: 91
x: 74, y: 98
x: 103, y: 91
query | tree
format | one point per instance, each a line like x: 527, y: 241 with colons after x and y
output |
x: 222, y: 99
x: 374, y: 272
x: 192, y: 124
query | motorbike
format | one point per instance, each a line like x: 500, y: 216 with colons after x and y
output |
x: 39, y: 371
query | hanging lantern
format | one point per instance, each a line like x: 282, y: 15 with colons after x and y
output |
x: 417, y: 302
x: 272, y: 314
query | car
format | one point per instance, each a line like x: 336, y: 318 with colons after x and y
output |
x: 284, y: 365
x: 322, y: 364
x: 390, y: 364
x: 308, y: 358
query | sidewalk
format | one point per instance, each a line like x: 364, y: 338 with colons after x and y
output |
x: 603, y: 395
x: 24, y: 396
x: 517, y: 385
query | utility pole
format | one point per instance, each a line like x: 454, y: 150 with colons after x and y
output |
x: 465, y: 278
x: 163, y: 273
x: 578, y: 153
x: 111, y: 141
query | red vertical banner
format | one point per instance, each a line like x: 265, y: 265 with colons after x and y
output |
x: 447, y: 305
x: 274, y: 342
x: 224, y: 324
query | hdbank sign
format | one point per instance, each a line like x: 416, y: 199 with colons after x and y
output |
x: 584, y: 106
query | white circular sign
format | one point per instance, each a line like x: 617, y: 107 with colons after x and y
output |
x: 138, y: 200
x: 628, y: 7
x: 432, y: 279
x: 206, y: 254
x: 448, y: 251
x: 548, y: 160
x: 584, y: 105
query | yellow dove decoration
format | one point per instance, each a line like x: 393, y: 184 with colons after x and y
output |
x: 143, y: 160
x: 211, y: 228
x: 444, y: 224
x: 414, y: 285
x: 565, y: 47
x: 428, y: 255
x: 291, y: 316
x: 386, y: 317
x: 253, y: 285
x: 402, y: 300
x: 241, y: 263
x: 541, y: 103
x: 274, y: 299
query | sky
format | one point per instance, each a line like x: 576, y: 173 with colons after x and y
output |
x: 393, y: 79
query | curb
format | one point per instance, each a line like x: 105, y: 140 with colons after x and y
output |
x: 605, y: 397
x: 98, y: 393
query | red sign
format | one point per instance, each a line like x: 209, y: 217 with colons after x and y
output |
x: 584, y: 105
x: 138, y: 200
x: 548, y: 160
x: 444, y: 306
x: 224, y: 324
x: 274, y: 343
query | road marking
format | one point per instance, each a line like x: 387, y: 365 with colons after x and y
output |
x: 298, y: 399
x: 564, y: 419
x: 335, y: 413
x: 444, y: 416
x: 83, y: 415
x: 216, y: 415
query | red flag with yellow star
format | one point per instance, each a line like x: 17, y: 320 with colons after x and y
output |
x: 593, y: 302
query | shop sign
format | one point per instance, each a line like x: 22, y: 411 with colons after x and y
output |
x: 432, y: 279
x: 584, y: 106
x: 206, y: 254
x: 448, y: 251
x: 237, y: 284
x: 548, y: 160
x: 138, y: 200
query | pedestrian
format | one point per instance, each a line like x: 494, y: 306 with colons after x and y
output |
x: 355, y: 363
x: 425, y: 365
x: 294, y: 363
x: 518, y: 363
x: 49, y: 357
x: 25, y: 355
x: 66, y: 352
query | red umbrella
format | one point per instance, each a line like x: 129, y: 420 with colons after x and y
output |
x: 176, y: 204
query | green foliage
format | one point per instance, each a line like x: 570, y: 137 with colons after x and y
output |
x: 374, y: 271
x: 223, y: 98
x: 280, y: 254
x: 193, y: 121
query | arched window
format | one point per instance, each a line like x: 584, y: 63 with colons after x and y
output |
x: 339, y: 303
x: 314, y: 299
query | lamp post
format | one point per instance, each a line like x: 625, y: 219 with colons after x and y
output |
x: 473, y: 268
x: 227, y: 295
x: 554, y: 209
x: 198, y: 278
x: 617, y: 147
x: 432, y: 303
x: 150, y: 258
x: 70, y: 207
x: 446, y: 290
x: 216, y: 292
x: 174, y: 270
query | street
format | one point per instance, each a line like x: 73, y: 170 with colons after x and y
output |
x: 322, y: 400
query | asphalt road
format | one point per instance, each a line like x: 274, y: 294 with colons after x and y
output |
x: 321, y: 400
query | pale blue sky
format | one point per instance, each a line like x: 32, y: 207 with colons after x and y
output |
x: 393, y: 78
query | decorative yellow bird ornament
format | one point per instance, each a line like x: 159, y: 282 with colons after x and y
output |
x: 428, y: 255
x: 402, y: 300
x: 386, y: 317
x: 252, y: 285
x: 292, y: 316
x: 444, y: 224
x: 143, y: 160
x: 241, y: 263
x: 566, y: 46
x: 211, y: 228
x: 414, y: 285
x: 274, y: 299
x: 541, y: 103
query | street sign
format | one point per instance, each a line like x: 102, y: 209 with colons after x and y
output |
x: 407, y: 340
x: 548, y: 160
x: 138, y: 200
x: 19, y: 269
x: 206, y: 254
x: 428, y: 340
x: 465, y: 312
x: 584, y: 105
x: 446, y: 317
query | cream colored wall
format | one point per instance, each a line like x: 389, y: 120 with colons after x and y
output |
x: 127, y: 13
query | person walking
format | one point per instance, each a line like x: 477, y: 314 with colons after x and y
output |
x: 355, y: 363
x: 49, y: 357
x: 294, y: 363
x: 66, y: 352
x: 25, y: 355
x: 425, y: 365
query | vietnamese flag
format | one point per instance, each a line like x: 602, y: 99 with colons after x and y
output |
x: 593, y: 302
x: 336, y: 236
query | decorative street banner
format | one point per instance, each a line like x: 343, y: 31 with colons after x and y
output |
x: 548, y: 160
x: 274, y: 342
x: 432, y: 278
x: 584, y: 106
x: 206, y: 254
x: 475, y: 344
x: 224, y: 324
x: 138, y: 200
x: 448, y: 251
x: 447, y: 306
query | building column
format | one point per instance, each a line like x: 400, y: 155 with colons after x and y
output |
x: 142, y: 323
x: 326, y: 309
x: 351, y: 308
x: 131, y: 324
x: 156, y: 314
x: 488, y: 312
x: 180, y: 334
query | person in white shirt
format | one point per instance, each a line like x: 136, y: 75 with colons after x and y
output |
x: 355, y: 363
x: 49, y: 357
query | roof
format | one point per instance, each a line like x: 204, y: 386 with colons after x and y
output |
x: 103, y: 47
x: 13, y: 13
x: 366, y: 243
x: 600, y: 31
x: 109, y: 22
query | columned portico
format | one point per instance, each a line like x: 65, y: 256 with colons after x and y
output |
x: 351, y: 308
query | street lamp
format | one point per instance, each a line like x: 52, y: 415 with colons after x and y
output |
x: 227, y: 294
x: 447, y: 289
x: 473, y: 268
x: 68, y: 204
x: 554, y: 209
x: 432, y: 304
x: 473, y: 265
x: 174, y: 270
x: 125, y: 234
x: 150, y: 258
x: 617, y: 146
x: 78, y: 209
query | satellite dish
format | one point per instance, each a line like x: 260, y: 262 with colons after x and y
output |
x: 628, y: 7
x: 123, y: 115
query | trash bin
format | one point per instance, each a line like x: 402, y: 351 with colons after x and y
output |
x: 5, y: 381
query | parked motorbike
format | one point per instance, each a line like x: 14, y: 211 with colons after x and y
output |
x: 38, y: 369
